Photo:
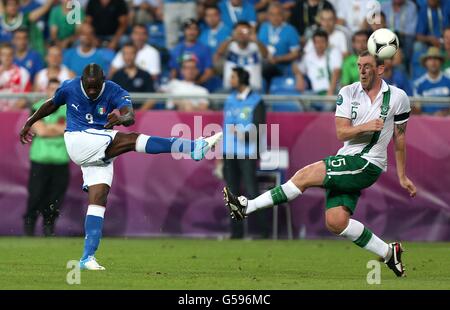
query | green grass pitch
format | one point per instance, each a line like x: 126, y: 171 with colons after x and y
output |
x: 39, y: 263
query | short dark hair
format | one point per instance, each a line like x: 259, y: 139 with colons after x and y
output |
x: 243, y: 76
x: 139, y: 25
x: 360, y: 33
x: 328, y: 9
x: 242, y: 23
x: 6, y: 45
x: 212, y: 7
x: 320, y: 33
x: 129, y: 44
x: 53, y: 80
x: 93, y: 70
x: 378, y: 60
x: 190, y: 21
x: 21, y: 29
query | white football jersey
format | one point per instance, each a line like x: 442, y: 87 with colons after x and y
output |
x: 353, y: 103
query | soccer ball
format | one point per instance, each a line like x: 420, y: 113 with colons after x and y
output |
x: 383, y: 43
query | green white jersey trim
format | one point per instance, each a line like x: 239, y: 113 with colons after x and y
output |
x: 354, y: 103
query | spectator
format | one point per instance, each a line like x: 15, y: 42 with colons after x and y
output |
x: 216, y: 31
x: 187, y: 86
x: 13, y: 79
x: 377, y: 21
x: 262, y: 6
x: 242, y: 109
x: 304, y: 14
x: 175, y: 13
x: 12, y: 19
x: 55, y: 70
x: 322, y: 66
x: 243, y: 50
x: 234, y: 11
x: 402, y: 18
x: 25, y: 57
x: 191, y: 48
x: 130, y: 77
x: 433, y: 19
x: 396, y: 77
x: 282, y: 41
x: 76, y: 58
x: 63, y: 32
x: 26, y: 6
x: 350, y: 73
x: 353, y: 13
x: 147, y: 59
x: 110, y: 21
x: 446, y: 51
x: 146, y: 11
x: 337, y: 34
x: 49, y: 174
x: 433, y: 83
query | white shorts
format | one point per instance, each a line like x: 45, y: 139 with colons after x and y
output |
x: 87, y: 149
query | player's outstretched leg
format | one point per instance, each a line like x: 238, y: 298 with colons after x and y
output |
x: 93, y: 226
x: 309, y: 176
x: 338, y: 221
x: 126, y: 142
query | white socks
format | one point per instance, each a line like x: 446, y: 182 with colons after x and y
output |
x: 364, y: 238
x: 278, y: 195
x: 141, y: 142
x: 96, y: 210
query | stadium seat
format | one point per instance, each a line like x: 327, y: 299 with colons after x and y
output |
x: 285, y: 86
x: 156, y: 34
x: 274, y: 165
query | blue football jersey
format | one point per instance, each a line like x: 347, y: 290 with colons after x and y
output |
x: 84, y: 113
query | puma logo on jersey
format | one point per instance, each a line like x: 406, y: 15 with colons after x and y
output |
x: 75, y: 106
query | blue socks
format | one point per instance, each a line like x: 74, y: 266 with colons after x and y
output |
x: 93, y: 229
x: 158, y: 145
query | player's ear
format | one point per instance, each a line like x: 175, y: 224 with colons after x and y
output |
x: 380, y: 70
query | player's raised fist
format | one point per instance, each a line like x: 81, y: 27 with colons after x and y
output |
x: 26, y: 135
x: 375, y: 125
x: 113, y: 120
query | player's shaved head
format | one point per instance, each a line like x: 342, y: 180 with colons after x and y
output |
x: 92, y: 79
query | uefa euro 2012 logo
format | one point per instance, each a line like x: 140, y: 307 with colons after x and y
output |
x: 74, y: 15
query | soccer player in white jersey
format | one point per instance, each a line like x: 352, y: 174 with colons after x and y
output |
x: 368, y: 114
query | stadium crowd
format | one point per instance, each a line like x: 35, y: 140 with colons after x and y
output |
x: 190, y: 47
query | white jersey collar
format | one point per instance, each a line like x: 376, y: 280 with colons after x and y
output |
x: 384, y: 87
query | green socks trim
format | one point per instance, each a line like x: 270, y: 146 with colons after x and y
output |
x: 364, y: 238
x: 278, y: 195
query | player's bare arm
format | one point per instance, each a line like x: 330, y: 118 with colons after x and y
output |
x: 400, y: 158
x: 346, y: 131
x: 126, y: 118
x: 46, y: 109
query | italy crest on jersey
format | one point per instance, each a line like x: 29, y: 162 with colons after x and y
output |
x: 101, y: 110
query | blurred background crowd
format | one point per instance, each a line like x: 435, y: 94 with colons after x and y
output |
x: 190, y: 47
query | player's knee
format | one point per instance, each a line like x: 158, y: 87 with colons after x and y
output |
x: 336, y: 222
x: 130, y: 138
x: 99, y: 196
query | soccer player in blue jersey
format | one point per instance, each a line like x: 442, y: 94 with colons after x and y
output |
x: 93, y: 144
